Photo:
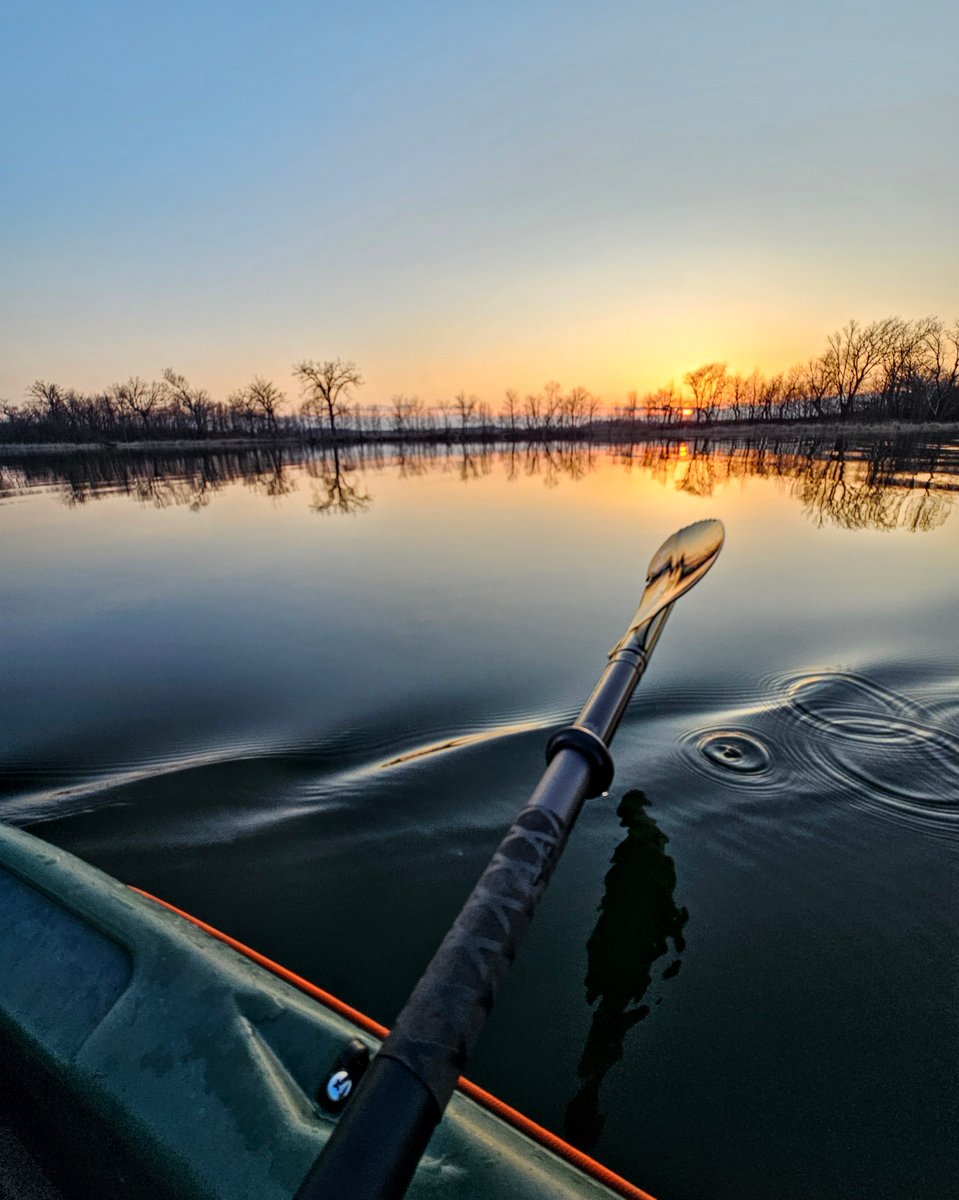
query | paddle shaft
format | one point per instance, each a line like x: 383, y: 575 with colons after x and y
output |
x: 386, y: 1125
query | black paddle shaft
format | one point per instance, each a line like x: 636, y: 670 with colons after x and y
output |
x: 377, y: 1144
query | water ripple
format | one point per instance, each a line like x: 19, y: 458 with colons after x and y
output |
x: 735, y: 752
x: 467, y: 739
x: 889, y: 748
x: 250, y: 785
x: 839, y: 733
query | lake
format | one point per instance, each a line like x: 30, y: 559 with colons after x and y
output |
x: 304, y: 695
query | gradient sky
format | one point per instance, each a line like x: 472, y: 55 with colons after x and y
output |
x: 468, y: 196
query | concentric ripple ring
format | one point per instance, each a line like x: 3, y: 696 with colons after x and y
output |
x: 734, y: 750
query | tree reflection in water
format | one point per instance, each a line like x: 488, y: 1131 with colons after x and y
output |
x: 886, y: 491
x: 272, y: 475
x: 333, y: 491
x: 892, y: 483
x: 638, y: 918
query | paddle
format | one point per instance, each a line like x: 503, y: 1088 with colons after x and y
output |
x: 374, y: 1150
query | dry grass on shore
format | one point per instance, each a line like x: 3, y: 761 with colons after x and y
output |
x: 723, y: 430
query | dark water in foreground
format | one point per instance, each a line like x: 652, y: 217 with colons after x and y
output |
x: 304, y: 703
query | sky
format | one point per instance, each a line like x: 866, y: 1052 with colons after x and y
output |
x: 467, y: 196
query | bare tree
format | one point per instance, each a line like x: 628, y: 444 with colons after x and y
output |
x: 938, y: 385
x: 772, y: 396
x: 591, y: 409
x: 49, y: 400
x: 326, y: 388
x: 576, y: 406
x: 242, y: 414
x: 851, y: 356
x: 195, y: 403
x: 736, y: 396
x: 764, y: 394
x: 790, y: 393
x: 629, y: 411
x: 265, y: 399
x: 103, y: 414
x: 906, y: 370
x: 510, y: 412
x: 552, y: 404
x: 484, y: 415
x: 708, y: 385
x: 416, y: 414
x: 532, y: 408
x: 374, y: 419
x: 815, y: 384
x: 464, y: 406
x: 139, y: 398
x: 665, y: 402
x: 399, y: 407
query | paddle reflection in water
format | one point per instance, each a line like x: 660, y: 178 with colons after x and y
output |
x: 638, y: 919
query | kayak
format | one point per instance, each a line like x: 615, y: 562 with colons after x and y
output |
x: 145, y: 1054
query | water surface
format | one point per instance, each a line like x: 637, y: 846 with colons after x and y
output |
x: 303, y: 697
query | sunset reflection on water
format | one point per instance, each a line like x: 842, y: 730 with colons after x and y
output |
x: 302, y: 694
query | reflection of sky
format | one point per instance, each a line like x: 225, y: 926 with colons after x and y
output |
x: 241, y: 674
x: 475, y: 574
x: 468, y: 196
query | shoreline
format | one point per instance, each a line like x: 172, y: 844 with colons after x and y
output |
x: 724, y: 430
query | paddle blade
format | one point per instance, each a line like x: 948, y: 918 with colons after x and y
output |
x: 687, y: 555
x: 679, y: 564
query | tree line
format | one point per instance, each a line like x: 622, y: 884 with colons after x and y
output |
x: 888, y: 370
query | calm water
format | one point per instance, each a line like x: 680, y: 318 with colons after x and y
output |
x: 305, y: 702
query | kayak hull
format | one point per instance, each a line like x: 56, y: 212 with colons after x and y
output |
x: 147, y: 1057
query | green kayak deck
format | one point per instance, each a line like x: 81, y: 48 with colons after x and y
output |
x: 147, y: 1058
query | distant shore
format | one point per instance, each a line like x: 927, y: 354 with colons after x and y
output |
x: 613, y: 434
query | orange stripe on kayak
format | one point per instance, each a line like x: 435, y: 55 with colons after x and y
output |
x: 327, y: 998
x: 551, y: 1141
x: 589, y: 1166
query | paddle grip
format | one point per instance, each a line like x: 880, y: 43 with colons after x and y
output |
x: 435, y: 1033
x: 373, y: 1152
x: 384, y: 1129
